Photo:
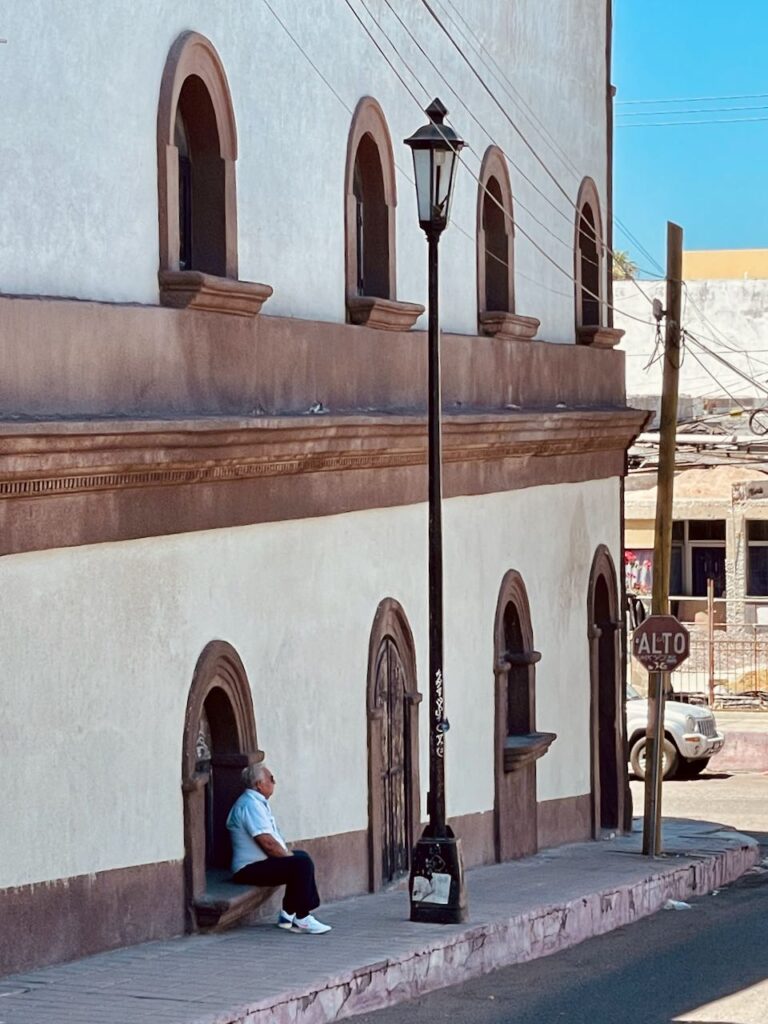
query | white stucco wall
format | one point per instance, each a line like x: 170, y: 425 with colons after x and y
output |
x: 730, y: 317
x: 80, y: 84
x: 99, y: 645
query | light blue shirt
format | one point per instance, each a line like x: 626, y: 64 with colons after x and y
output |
x: 250, y: 816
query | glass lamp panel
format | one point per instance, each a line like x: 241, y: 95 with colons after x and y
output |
x: 452, y: 174
x: 422, y: 170
x: 445, y: 160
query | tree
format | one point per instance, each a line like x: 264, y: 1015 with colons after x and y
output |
x: 624, y: 268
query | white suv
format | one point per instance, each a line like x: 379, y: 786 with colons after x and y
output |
x: 690, y: 736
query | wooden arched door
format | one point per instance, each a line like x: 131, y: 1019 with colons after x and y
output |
x: 393, y: 746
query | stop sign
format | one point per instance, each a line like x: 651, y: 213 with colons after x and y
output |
x: 661, y: 643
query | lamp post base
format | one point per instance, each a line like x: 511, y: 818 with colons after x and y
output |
x: 436, y: 885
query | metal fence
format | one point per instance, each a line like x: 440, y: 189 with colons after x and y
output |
x: 732, y: 665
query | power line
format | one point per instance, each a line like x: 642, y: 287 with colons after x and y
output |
x: 675, y: 124
x: 698, y: 99
x: 481, y: 52
x: 694, y: 110
x: 519, y: 131
x: 347, y: 107
x: 727, y: 342
x: 507, y: 215
x: 720, y: 359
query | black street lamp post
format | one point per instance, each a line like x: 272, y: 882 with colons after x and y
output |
x: 437, y: 872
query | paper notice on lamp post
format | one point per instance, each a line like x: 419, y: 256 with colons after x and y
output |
x: 436, y: 889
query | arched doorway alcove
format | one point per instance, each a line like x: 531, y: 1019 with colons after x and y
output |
x: 393, y: 745
x: 219, y: 741
x: 610, y: 794
x: 517, y: 744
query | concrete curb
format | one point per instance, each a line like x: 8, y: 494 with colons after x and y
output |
x: 479, y: 949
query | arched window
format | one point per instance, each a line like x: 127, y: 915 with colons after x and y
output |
x: 495, y: 236
x: 589, y: 258
x: 197, y: 150
x: 496, y: 253
x: 370, y: 204
x: 197, y: 201
x: 498, y: 248
x: 371, y: 222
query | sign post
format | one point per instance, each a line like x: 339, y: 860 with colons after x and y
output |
x: 660, y: 644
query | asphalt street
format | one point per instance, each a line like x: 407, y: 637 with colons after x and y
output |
x: 707, y: 964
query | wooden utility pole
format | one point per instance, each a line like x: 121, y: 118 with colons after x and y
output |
x: 662, y: 547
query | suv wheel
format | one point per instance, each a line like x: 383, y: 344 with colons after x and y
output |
x: 669, y: 758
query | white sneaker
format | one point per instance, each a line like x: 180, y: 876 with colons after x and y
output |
x: 285, y: 920
x: 309, y: 925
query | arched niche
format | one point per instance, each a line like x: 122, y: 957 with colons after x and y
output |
x: 610, y: 787
x: 219, y: 741
x: 392, y: 706
x: 517, y: 743
x: 196, y: 154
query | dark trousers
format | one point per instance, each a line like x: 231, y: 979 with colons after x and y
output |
x: 296, y: 873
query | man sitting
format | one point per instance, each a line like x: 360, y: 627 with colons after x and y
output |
x: 260, y: 855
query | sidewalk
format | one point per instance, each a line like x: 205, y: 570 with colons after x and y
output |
x: 375, y: 957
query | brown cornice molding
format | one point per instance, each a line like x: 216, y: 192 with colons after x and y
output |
x: 70, y: 483
x: 41, y: 459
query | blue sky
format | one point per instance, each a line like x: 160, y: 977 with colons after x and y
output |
x: 710, y: 179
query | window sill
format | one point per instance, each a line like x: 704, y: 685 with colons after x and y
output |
x: 599, y: 337
x: 383, y: 314
x: 192, y: 289
x: 520, y: 751
x: 508, y: 326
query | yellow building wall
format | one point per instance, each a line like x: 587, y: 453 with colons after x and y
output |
x: 725, y: 264
x: 639, y: 533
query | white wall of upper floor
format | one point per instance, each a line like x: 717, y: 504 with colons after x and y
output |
x: 100, y: 644
x: 78, y: 162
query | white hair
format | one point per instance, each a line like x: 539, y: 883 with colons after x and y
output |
x: 252, y: 774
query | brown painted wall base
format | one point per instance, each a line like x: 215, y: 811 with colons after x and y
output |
x: 49, y: 922
x: 341, y: 863
x: 568, y: 820
x: 476, y: 834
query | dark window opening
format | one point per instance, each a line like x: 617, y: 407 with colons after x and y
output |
x: 202, y: 218
x: 707, y: 563
x: 706, y: 529
x: 496, y: 233
x: 371, y: 222
x: 518, y: 678
x: 757, y: 558
x: 185, y: 193
x: 589, y: 268
x: 216, y: 744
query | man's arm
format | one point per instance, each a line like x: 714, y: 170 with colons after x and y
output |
x: 271, y: 846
